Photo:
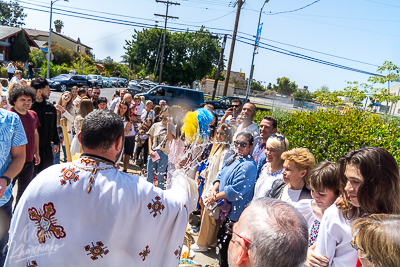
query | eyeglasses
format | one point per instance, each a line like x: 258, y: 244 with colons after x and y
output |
x: 229, y: 227
x: 356, y: 247
x: 235, y: 106
x: 96, y: 93
x: 164, y: 118
x: 241, y: 144
x: 280, y: 138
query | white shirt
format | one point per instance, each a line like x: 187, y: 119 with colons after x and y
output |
x: 289, y: 195
x: 139, y: 110
x: 252, y: 129
x: 124, y: 218
x: 10, y: 69
x: 146, y: 114
x: 265, y: 181
x: 114, y: 103
x: 14, y: 79
x: 334, y: 239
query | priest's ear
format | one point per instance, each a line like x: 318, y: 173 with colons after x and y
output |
x: 79, y: 138
x: 119, y: 143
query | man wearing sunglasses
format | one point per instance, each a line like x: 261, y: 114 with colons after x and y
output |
x: 232, y: 112
x: 95, y: 97
x: 269, y: 233
x: 268, y: 126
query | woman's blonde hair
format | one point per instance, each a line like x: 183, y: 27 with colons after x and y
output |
x: 277, y: 144
x: 68, y: 107
x: 378, y: 236
x: 302, y: 159
x: 217, y: 148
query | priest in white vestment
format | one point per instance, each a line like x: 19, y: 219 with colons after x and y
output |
x: 88, y: 213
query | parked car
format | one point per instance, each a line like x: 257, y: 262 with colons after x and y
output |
x: 134, y: 89
x: 107, y: 82
x: 66, y: 82
x: 115, y: 82
x: 146, y: 86
x: 91, y: 81
x: 98, y: 80
x: 226, y: 102
x: 123, y: 82
x: 183, y: 97
x: 134, y: 82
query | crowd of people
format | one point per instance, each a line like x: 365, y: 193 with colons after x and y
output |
x: 260, y: 202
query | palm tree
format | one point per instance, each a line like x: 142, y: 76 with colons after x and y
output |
x: 58, y: 24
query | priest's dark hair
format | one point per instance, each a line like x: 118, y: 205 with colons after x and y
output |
x: 101, y: 129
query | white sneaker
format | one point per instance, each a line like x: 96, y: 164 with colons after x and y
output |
x: 196, y: 248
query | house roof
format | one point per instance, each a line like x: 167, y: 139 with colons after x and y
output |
x: 35, y: 33
x: 41, y: 43
x: 8, y: 31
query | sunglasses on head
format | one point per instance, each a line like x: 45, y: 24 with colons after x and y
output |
x: 229, y: 227
x: 241, y: 144
x: 279, y: 137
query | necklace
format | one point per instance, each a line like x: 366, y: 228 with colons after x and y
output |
x: 280, y: 198
x: 94, y: 161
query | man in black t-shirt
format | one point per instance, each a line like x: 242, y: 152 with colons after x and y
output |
x: 31, y: 71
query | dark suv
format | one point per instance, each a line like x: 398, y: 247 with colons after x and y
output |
x: 65, y: 82
x: 226, y: 102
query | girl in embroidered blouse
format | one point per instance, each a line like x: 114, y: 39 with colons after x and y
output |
x: 369, y: 183
x: 324, y: 184
x: 86, y: 106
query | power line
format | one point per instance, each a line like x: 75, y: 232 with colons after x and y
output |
x: 282, y: 12
x: 294, y: 54
x: 284, y: 51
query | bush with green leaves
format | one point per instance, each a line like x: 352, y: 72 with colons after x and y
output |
x: 330, y: 133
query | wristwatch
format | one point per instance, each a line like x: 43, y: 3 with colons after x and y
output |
x: 7, y: 179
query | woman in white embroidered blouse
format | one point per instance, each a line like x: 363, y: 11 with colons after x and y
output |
x: 272, y: 170
x: 324, y: 184
x: 369, y: 183
x: 86, y: 106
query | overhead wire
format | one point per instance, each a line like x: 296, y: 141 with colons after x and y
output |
x: 294, y: 10
x: 144, y: 25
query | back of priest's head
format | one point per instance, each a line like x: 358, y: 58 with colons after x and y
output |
x: 102, y: 131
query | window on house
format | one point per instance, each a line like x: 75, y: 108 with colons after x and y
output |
x: 79, y: 48
x: 398, y: 111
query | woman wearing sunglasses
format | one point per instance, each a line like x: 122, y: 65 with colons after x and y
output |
x: 369, y: 184
x: 298, y: 163
x: 233, y: 189
x: 272, y: 170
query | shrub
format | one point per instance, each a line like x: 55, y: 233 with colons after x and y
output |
x: 330, y: 133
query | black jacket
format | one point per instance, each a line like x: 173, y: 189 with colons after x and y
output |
x: 48, y: 123
x: 278, y: 186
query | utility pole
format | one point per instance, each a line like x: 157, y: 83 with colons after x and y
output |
x: 165, y: 32
x: 228, y: 70
x: 221, y: 57
x: 255, y: 51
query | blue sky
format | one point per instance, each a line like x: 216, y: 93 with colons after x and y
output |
x: 361, y: 30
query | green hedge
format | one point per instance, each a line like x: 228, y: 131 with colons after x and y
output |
x: 330, y: 133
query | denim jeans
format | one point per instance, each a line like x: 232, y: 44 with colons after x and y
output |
x: 159, y: 166
x: 5, y: 219
x: 57, y: 155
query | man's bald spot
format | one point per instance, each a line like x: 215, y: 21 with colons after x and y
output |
x: 127, y: 97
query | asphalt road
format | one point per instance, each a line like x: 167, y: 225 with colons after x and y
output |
x: 106, y: 92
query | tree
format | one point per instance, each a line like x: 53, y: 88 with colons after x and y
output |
x: 188, y: 56
x: 269, y: 87
x: 257, y: 86
x: 58, y: 24
x: 83, y: 65
x: 302, y: 95
x: 285, y: 87
x: 63, y: 54
x: 221, y: 76
x: 20, y: 48
x: 11, y: 14
x: 37, y: 57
